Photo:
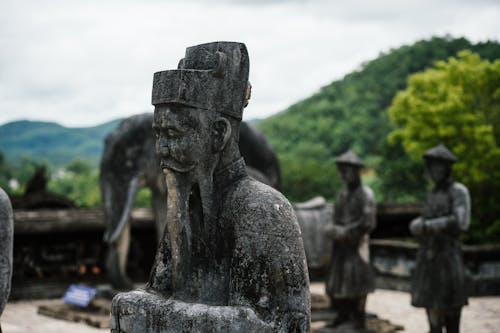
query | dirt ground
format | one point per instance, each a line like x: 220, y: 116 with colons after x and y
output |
x: 482, y: 315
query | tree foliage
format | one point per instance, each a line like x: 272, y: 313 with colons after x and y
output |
x: 79, y: 182
x: 5, y: 172
x: 351, y: 113
x: 457, y: 102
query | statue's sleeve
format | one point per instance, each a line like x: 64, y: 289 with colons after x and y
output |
x: 366, y: 222
x: 461, y: 206
x: 268, y: 269
x: 337, y: 208
x: 336, y: 229
x: 459, y: 219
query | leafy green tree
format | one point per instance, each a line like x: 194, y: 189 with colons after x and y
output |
x: 79, y: 181
x: 143, y: 198
x: 79, y: 166
x: 5, y: 173
x: 457, y: 102
x: 22, y: 171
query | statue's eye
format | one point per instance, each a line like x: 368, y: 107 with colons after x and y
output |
x: 172, y: 133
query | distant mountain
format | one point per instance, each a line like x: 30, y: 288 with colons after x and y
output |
x: 50, y: 142
x: 55, y: 144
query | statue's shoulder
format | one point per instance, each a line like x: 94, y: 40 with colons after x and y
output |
x: 5, y: 203
x: 368, y: 193
x: 459, y: 191
x: 259, y: 208
x: 3, y: 195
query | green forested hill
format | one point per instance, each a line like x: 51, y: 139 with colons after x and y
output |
x: 52, y: 143
x: 351, y: 113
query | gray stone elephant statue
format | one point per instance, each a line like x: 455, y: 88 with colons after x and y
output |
x: 6, y: 243
x: 129, y: 162
x: 314, y: 217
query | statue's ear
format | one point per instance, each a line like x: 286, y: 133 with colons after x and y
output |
x: 222, y: 133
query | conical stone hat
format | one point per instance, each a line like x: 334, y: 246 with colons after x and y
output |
x: 349, y: 157
x: 440, y: 152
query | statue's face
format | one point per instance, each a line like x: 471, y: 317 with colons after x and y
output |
x: 349, y: 173
x: 183, y: 140
x: 439, y: 170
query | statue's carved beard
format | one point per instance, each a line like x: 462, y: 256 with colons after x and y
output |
x: 189, y: 195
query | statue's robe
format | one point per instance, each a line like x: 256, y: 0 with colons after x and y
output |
x: 245, y: 271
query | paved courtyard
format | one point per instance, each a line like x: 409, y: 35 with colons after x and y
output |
x: 481, y: 316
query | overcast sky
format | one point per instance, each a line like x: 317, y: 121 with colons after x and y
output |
x: 82, y: 63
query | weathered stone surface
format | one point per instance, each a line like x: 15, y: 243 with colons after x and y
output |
x: 440, y: 282
x: 6, y: 245
x: 314, y: 217
x: 231, y: 257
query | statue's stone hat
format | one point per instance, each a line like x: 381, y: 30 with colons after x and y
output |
x: 440, y: 152
x: 212, y: 76
x: 349, y: 157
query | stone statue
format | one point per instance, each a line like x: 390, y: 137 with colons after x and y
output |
x: 350, y: 277
x: 129, y: 162
x: 6, y: 237
x: 231, y: 257
x: 440, y: 281
x: 314, y: 216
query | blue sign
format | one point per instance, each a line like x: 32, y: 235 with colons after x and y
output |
x: 79, y: 295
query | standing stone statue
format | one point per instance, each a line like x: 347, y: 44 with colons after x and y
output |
x: 350, y: 277
x: 231, y: 258
x: 440, y: 282
x: 6, y: 236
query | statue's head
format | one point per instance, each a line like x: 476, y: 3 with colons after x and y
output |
x: 439, y: 162
x: 349, y: 166
x: 199, y: 106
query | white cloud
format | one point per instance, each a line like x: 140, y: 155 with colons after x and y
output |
x: 85, y: 62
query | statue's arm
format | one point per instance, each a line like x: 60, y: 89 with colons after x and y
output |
x: 417, y: 226
x: 336, y: 230
x: 365, y: 223
x: 459, y: 219
x: 461, y: 207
